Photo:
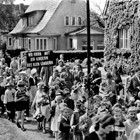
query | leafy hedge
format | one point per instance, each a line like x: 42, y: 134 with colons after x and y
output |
x: 121, y: 15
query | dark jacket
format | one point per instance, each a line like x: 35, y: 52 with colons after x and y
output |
x: 70, y: 103
x: 132, y: 87
x: 92, y: 136
x: 64, y: 129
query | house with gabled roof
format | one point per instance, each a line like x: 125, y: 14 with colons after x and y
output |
x: 53, y: 25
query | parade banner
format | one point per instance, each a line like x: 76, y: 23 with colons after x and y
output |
x: 39, y: 59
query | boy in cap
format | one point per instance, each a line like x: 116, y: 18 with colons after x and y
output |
x: 21, y: 100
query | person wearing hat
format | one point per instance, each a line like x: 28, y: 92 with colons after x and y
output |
x: 33, y: 84
x: 103, y: 128
x: 79, y: 111
x: 21, y: 100
x: 38, y: 103
x: 132, y: 122
x: 60, y: 65
x: 96, y: 74
x: 9, y: 101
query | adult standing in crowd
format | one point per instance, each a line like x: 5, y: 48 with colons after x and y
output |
x: 14, y: 65
x: 134, y: 85
x: 68, y: 77
x: 60, y: 65
x: 33, y: 84
x: 45, y: 74
x: 96, y: 73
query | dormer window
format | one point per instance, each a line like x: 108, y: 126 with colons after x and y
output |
x: 24, y: 22
x: 30, y: 21
x: 73, y: 21
x: 67, y: 20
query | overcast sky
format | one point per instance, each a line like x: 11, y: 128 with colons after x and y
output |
x: 100, y: 3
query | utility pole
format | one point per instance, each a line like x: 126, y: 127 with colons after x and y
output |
x: 88, y: 45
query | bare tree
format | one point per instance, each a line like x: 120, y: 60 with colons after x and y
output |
x: 98, y: 7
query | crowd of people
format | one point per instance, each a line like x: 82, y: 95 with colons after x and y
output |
x: 59, y: 96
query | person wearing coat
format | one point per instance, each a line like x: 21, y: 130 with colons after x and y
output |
x: 45, y: 74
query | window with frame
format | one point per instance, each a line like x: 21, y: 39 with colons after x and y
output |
x: 79, y: 21
x: 67, y: 20
x: 10, y: 41
x: 84, y: 45
x: 41, y: 44
x: 30, y: 21
x: 24, y: 21
x: 37, y: 44
x: 29, y: 43
x: 73, y: 22
x: 55, y: 43
x: 100, y: 45
x: 124, y: 39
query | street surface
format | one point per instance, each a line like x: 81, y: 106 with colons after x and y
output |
x: 9, y: 131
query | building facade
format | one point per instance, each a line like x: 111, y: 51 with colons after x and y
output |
x: 122, y: 33
x: 51, y: 25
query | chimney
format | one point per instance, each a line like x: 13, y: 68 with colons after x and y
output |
x: 21, y: 8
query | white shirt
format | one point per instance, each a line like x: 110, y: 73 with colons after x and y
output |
x: 9, y: 96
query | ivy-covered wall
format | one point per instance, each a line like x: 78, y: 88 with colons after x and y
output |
x: 122, y: 15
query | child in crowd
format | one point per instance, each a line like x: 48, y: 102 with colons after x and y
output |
x: 9, y: 101
x: 64, y: 126
x: 119, y: 127
x: 131, y: 122
x: 21, y: 100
